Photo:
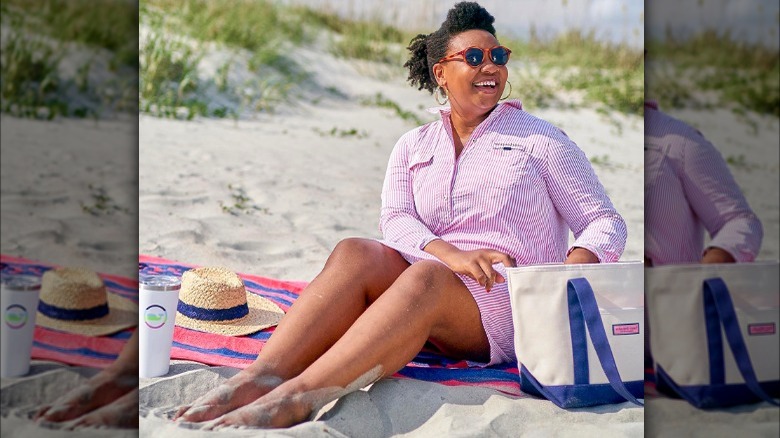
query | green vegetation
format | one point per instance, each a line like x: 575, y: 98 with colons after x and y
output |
x: 178, y: 39
x: 741, y: 75
x: 30, y: 80
x: 604, y: 162
x: 371, y: 40
x: 169, y: 78
x: 258, y: 28
x: 101, y: 203
x: 607, y: 74
x: 379, y: 100
x: 106, y: 24
x: 38, y: 37
x: 240, y: 203
x: 343, y: 133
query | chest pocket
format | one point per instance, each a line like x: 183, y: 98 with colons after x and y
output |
x: 507, y: 164
x: 420, y: 169
x: 655, y: 160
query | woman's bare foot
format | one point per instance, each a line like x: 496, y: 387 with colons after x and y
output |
x: 100, y: 390
x: 277, y: 409
x: 240, y: 390
x: 121, y: 413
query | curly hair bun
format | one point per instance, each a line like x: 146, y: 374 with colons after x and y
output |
x: 466, y: 16
x: 427, y: 50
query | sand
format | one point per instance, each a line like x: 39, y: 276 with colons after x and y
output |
x: 304, y: 187
x: 69, y: 193
x: 272, y: 195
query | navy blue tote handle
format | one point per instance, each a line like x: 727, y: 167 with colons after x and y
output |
x: 582, y: 304
x: 719, y: 307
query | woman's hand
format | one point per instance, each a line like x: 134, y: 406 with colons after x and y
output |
x: 580, y: 255
x: 714, y: 254
x: 477, y: 264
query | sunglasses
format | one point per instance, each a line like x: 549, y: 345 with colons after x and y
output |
x: 474, y: 56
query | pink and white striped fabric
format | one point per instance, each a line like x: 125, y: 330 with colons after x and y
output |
x: 518, y: 186
x: 689, y: 189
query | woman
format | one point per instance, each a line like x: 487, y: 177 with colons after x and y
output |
x: 486, y: 187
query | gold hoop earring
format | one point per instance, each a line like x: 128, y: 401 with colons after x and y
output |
x: 510, y: 91
x: 440, y: 89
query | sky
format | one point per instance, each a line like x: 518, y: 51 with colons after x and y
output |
x: 611, y: 20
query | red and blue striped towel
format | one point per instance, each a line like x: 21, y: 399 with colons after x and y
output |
x: 241, y: 351
x: 71, y: 348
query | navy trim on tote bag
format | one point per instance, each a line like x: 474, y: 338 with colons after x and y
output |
x: 719, y: 310
x: 584, y: 312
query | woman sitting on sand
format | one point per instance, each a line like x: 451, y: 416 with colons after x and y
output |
x: 485, y: 187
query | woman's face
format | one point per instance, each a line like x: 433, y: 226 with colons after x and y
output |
x: 472, y: 91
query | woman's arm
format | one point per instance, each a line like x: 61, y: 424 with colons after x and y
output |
x: 399, y: 221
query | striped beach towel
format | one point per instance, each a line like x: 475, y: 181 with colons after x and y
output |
x: 71, y: 348
x: 239, y: 352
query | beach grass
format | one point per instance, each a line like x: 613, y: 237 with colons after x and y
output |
x: 370, y: 39
x: 714, y: 69
x: 605, y: 73
x: 108, y: 24
x: 269, y: 33
x: 45, y: 37
x: 169, y: 78
x: 30, y: 79
x: 381, y: 101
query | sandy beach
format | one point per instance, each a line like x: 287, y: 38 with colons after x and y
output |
x: 274, y: 193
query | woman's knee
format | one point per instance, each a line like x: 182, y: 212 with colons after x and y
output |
x: 367, y: 258
x: 427, y: 278
x: 353, y: 250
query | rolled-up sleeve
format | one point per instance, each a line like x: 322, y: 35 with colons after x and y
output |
x: 717, y: 200
x: 399, y: 221
x: 582, y: 202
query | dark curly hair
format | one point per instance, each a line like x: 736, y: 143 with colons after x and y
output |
x: 427, y: 50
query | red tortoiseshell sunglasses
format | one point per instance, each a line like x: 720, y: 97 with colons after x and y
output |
x: 474, y: 56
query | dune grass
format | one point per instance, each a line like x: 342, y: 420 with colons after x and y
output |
x: 39, y: 36
x: 742, y: 75
x: 606, y: 73
x: 370, y: 39
x: 169, y: 78
x: 30, y: 80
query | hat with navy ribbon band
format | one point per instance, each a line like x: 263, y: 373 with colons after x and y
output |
x: 214, y: 300
x: 75, y: 300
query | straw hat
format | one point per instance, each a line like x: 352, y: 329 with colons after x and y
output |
x: 75, y: 300
x: 214, y: 300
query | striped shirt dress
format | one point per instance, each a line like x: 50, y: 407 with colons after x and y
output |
x: 518, y: 186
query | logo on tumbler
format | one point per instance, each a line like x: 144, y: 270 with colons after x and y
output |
x: 155, y: 316
x: 15, y: 316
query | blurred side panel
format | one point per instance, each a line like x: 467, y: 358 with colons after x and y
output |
x: 712, y: 228
x: 69, y: 134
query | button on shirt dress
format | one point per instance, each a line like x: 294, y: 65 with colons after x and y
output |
x: 518, y: 186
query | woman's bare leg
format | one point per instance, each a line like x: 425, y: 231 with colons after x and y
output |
x: 427, y: 301
x: 356, y: 274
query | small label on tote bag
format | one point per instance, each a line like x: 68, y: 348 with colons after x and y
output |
x: 625, y: 329
x: 766, y: 328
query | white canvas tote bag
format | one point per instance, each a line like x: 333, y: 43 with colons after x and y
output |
x: 579, y: 331
x: 713, y: 332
